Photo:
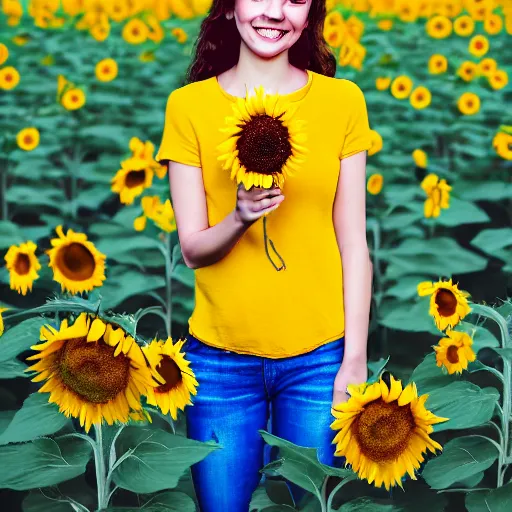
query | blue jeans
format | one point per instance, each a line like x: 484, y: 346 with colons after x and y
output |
x: 238, y: 394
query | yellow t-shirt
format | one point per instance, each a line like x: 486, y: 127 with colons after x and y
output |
x: 243, y: 304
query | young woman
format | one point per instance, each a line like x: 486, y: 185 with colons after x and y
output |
x: 262, y: 341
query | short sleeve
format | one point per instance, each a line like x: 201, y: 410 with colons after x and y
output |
x: 179, y: 139
x: 357, y: 133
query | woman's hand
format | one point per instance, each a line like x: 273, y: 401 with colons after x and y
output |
x: 256, y: 202
x: 350, y: 372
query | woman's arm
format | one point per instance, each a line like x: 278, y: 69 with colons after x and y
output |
x: 201, y: 245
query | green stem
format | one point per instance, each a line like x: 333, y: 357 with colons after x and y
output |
x: 3, y: 191
x: 269, y: 241
x: 346, y: 480
x: 100, y: 468
x: 167, y: 254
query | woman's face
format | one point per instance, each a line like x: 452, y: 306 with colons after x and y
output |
x: 286, y: 19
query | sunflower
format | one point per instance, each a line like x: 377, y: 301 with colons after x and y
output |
x: 22, y: 264
x: 2, y: 320
x: 376, y: 141
x: 439, y: 27
x: 384, y: 430
x: 28, y: 138
x: 464, y: 25
x: 437, y: 64
x: 478, y: 46
x: 118, y: 10
x: 487, y: 67
x: 448, y: 304
x: 385, y: 25
x: 160, y: 213
x: 334, y: 19
x: 73, y: 99
x: 145, y: 150
x: 420, y: 98
x: 264, y: 142
x: 493, y: 24
x: 156, y: 32
x: 407, y: 11
x: 4, y: 53
x: 135, y: 32
x: 502, y: 143
x: 179, y: 34
x: 9, y: 78
x: 401, y: 87
x: 438, y: 192
x: 106, y: 70
x: 420, y: 158
x: 375, y: 183
x: 93, y: 370
x: 454, y: 352
x: 467, y: 70
x: 77, y: 265
x: 468, y: 103
x: 498, y: 79
x: 382, y: 83
x: 334, y: 35
x: 132, y: 179
x: 179, y: 380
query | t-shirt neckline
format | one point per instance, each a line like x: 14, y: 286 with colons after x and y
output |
x: 293, y: 96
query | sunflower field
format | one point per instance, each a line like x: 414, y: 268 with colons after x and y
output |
x: 95, y: 296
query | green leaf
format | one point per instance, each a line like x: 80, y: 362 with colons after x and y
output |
x: 157, y: 459
x: 461, y: 212
x: 164, y: 502
x: 484, y: 190
x: 300, y: 465
x: 113, y: 246
x: 365, y: 504
x: 407, y: 287
x: 376, y: 368
x: 494, y: 242
x: 462, y: 458
x: 36, y: 418
x: 428, y: 376
x: 107, y: 133
x: 37, y: 502
x: 21, y: 337
x: 482, y: 337
x: 43, y: 462
x: 9, y: 234
x: 405, y: 316
x: 12, y: 369
x: 452, y: 402
x: 493, y: 500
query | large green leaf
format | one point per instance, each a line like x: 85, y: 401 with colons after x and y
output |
x: 36, y: 418
x: 9, y: 234
x: 407, y: 287
x: 21, y: 337
x: 407, y: 316
x: 112, y: 246
x: 462, y: 458
x: 428, y: 376
x: 490, y: 240
x: 461, y: 212
x: 43, y: 462
x: 452, y: 402
x: 493, y: 500
x: 164, y: 502
x: 157, y: 459
x: 365, y: 504
x: 484, y: 190
x: 12, y: 369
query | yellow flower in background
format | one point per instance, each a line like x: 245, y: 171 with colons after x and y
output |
x: 93, y: 370
x: 100, y: 32
x: 502, y: 143
x: 382, y: 83
x: 334, y: 35
x: 464, y: 25
x: 406, y: 10
x: 493, y: 24
x: 448, y: 304
x: 73, y: 99
x: 334, y: 19
x: 47, y: 60
x: 147, y: 56
x: 156, y: 32
x: 455, y: 351
x: 420, y: 98
x: 77, y: 265
x: 401, y: 87
x: 9, y: 78
x: 420, y: 158
x: 439, y: 27
x: 28, y: 138
x: 144, y: 151
x: 468, y: 103
x: 352, y: 54
x: 13, y: 10
x: 118, y: 10
x: 135, y: 32
x: 72, y: 7
x: 385, y: 25
x: 438, y: 195
x: 4, y: 53
x: 479, y: 9
x: 2, y: 320
x: 437, y: 64
x: 178, y: 379
x: 487, y: 67
x: 179, y: 34
x: 375, y: 183
x: 132, y: 179
x: 160, y: 213
x: 498, y: 79
x: 478, y: 46
x: 383, y: 431
x: 467, y: 70
x: 22, y: 264
x: 355, y: 27
x: 376, y: 141
x: 21, y: 40
x: 264, y: 142
x: 106, y: 70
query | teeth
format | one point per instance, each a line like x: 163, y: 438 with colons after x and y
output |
x: 271, y: 34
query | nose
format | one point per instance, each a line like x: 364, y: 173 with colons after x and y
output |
x: 274, y: 9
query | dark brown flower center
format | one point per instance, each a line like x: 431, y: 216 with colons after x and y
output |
x: 8, y: 77
x: 401, y: 87
x: 22, y: 264
x: 170, y: 372
x: 135, y: 178
x: 76, y: 262
x: 446, y: 302
x: 452, y: 354
x: 383, y: 430
x: 91, y: 371
x: 479, y: 45
x: 28, y: 139
x: 74, y: 98
x: 264, y: 145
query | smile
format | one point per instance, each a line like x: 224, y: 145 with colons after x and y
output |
x: 271, y: 34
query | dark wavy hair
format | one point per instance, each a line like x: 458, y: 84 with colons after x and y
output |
x: 217, y: 47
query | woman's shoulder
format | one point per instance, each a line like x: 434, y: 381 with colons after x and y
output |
x: 191, y: 91
x: 337, y: 85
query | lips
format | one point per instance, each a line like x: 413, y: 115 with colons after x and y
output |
x: 282, y: 32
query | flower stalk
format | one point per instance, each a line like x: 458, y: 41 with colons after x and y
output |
x: 269, y: 241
